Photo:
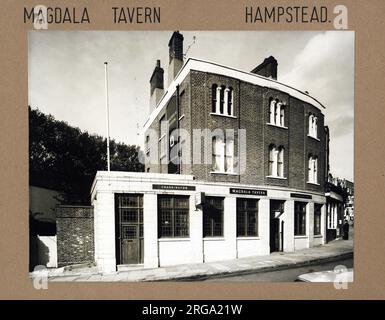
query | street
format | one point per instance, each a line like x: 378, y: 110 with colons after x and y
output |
x: 286, y: 275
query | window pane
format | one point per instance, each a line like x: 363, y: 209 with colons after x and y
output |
x: 173, y: 216
x: 241, y: 223
x: 214, y: 97
x: 129, y: 215
x: 213, y: 217
x: 181, y: 223
x: 230, y: 102
x: 247, y: 217
x: 129, y: 232
x: 300, y: 218
x: 252, y: 223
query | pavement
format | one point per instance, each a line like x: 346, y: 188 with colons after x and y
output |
x: 335, y: 250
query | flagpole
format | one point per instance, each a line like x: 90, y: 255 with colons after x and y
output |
x: 107, y: 116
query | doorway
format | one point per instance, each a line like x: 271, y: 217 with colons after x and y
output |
x: 129, y: 228
x: 276, y: 225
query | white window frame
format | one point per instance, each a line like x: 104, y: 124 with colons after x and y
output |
x: 222, y: 155
x: 277, y: 114
x: 228, y: 103
x: 313, y: 126
x: 313, y: 170
x: 276, y: 162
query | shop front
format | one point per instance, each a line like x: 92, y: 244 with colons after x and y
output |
x: 154, y: 220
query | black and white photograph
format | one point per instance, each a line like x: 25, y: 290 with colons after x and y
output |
x: 191, y: 156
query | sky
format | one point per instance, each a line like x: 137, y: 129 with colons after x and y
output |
x: 66, y: 75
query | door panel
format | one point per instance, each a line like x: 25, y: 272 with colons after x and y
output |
x: 130, y: 244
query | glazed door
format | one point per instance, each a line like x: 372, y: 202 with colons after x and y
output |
x: 274, y: 234
x: 129, y: 228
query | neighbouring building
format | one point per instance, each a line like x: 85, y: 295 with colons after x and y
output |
x: 256, y: 189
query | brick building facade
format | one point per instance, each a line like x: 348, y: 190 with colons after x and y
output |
x: 260, y: 189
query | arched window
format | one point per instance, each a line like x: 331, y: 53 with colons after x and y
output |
x: 311, y: 122
x: 281, y: 151
x: 278, y: 114
x: 214, y: 97
x: 230, y: 108
x: 217, y: 154
x: 282, y: 120
x: 315, y: 127
x: 229, y: 156
x: 276, y: 161
x: 217, y: 107
x: 313, y: 169
x: 226, y: 102
x: 272, y: 111
x: 223, y: 155
x: 222, y: 100
x: 273, y: 161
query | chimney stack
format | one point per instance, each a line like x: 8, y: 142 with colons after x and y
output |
x: 175, y: 46
x: 157, y: 87
x: 268, y: 68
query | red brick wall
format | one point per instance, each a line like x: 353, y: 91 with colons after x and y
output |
x: 75, y: 235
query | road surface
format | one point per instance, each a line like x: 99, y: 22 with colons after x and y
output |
x: 287, y: 275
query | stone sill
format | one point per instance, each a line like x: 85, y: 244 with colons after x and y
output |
x: 313, y: 183
x: 173, y: 239
x: 318, y: 236
x: 274, y: 177
x: 224, y: 173
x: 214, y: 239
x: 248, y: 238
x: 277, y: 126
x: 223, y: 115
x: 301, y: 237
x: 313, y: 137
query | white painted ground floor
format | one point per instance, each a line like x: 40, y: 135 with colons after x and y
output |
x: 159, y: 219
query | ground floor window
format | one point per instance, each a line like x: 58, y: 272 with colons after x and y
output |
x: 173, y: 216
x: 213, y: 217
x: 299, y: 218
x: 317, y: 219
x: 247, y: 217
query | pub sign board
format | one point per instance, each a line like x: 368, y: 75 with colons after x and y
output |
x: 250, y: 192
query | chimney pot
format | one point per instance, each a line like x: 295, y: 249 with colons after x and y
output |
x: 156, y: 85
x: 268, y: 68
x: 175, y: 46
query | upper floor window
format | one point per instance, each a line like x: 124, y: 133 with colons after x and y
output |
x: 313, y: 126
x: 223, y: 155
x: 222, y: 100
x: 276, y: 161
x: 277, y: 113
x: 313, y: 169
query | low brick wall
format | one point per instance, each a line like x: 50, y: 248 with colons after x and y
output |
x: 75, y: 235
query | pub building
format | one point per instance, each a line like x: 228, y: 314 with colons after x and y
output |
x: 180, y: 212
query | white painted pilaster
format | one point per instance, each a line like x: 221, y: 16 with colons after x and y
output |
x: 196, y: 232
x: 323, y: 223
x: 310, y: 223
x: 288, y: 242
x: 150, y: 230
x: 230, y: 226
x: 104, y: 212
x: 264, y: 224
